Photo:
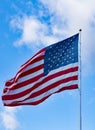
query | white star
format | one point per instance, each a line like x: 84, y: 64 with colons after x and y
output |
x: 72, y: 54
x: 72, y: 48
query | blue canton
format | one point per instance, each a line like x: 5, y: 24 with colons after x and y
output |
x: 61, y: 54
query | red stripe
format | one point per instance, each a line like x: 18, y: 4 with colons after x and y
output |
x: 43, y: 81
x: 9, y: 82
x: 41, y: 100
x: 22, y: 84
x: 30, y: 71
x: 27, y: 82
x: 44, y: 98
x: 36, y: 59
x: 33, y: 61
x: 68, y: 88
x: 53, y: 85
x: 27, y: 63
x: 21, y: 103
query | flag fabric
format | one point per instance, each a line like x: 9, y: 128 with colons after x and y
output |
x: 51, y: 70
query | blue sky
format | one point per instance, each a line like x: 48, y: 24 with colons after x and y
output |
x: 26, y: 26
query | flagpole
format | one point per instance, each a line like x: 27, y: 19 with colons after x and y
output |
x: 80, y: 89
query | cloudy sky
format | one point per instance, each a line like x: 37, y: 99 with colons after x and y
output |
x: 26, y: 26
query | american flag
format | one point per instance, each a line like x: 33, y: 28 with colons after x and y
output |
x: 51, y: 70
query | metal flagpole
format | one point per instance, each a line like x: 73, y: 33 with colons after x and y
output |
x: 80, y: 92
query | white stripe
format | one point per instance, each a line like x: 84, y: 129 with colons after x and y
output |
x: 62, y: 77
x: 28, y: 63
x: 51, y: 91
x: 37, y: 98
x: 63, y: 68
x: 33, y: 65
x: 30, y: 76
x: 51, y: 72
x: 22, y: 79
x: 25, y: 78
x: 19, y: 90
x: 37, y: 55
x: 22, y: 89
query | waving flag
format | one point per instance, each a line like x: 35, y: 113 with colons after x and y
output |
x: 51, y: 70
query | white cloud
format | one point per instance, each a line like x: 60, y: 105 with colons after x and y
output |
x: 9, y: 120
x: 75, y: 14
x: 33, y: 31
